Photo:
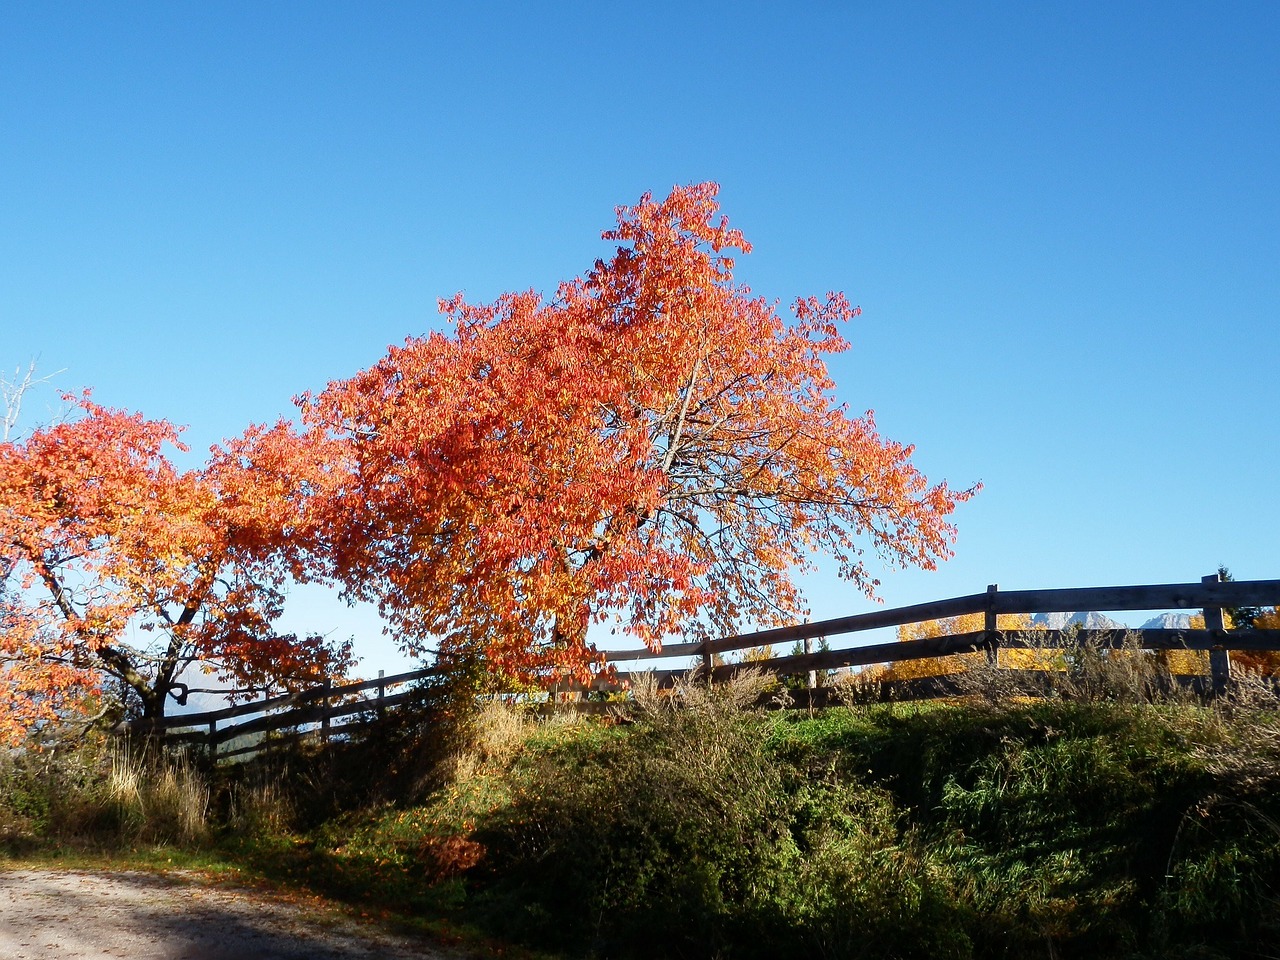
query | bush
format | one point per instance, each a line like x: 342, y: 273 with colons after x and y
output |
x: 689, y: 837
x: 94, y: 791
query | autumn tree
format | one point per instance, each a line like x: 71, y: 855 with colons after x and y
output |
x: 959, y: 662
x: 1196, y: 662
x: 652, y: 446
x: 1267, y: 619
x: 1264, y: 662
x: 118, y: 566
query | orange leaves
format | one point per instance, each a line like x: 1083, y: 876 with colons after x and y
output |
x: 655, y: 445
x: 115, y: 563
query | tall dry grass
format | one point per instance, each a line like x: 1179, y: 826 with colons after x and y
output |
x: 158, y: 797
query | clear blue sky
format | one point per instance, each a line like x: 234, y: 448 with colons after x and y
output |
x: 1062, y: 223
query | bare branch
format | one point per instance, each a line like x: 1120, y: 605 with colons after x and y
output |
x: 12, y: 393
x: 677, y: 431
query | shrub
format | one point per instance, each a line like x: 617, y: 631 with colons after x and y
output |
x: 690, y: 837
x: 94, y: 791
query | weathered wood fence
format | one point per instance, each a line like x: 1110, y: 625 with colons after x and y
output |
x: 1208, y: 597
x: 310, y: 713
x: 306, y: 714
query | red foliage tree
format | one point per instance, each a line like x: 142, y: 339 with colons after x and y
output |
x: 115, y: 564
x: 654, y: 445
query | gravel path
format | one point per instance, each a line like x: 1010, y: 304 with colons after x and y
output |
x: 66, y: 914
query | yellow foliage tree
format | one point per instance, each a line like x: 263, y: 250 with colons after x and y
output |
x: 956, y: 663
x: 1178, y: 662
x: 1196, y: 662
x: 1190, y: 663
x: 1265, y: 662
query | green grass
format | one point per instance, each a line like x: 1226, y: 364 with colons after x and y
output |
x: 1101, y: 830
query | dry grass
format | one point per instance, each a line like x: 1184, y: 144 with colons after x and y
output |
x: 261, y: 804
x: 745, y: 689
x: 852, y: 687
x: 159, y: 798
x: 495, y: 733
x: 1080, y: 671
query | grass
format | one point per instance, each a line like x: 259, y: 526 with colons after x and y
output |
x: 1108, y: 827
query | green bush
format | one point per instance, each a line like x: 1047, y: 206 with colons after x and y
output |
x: 54, y: 793
x: 1080, y: 829
x: 691, y: 838
x: 1061, y: 829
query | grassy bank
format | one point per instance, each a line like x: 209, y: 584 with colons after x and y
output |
x: 1048, y: 829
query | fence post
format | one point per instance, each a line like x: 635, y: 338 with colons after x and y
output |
x: 213, y: 742
x: 382, y: 692
x: 706, y: 660
x: 324, y: 711
x: 1219, y: 660
x: 811, y: 682
x: 989, y: 626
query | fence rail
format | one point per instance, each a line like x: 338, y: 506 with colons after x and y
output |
x: 287, y: 712
x: 320, y: 705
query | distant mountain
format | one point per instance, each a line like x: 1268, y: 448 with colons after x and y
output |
x: 1169, y: 621
x: 1062, y: 621
x: 1097, y: 621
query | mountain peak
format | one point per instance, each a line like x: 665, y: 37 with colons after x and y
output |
x: 1089, y: 620
x: 1169, y: 621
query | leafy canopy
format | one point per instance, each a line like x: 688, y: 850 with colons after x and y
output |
x: 652, y: 446
x: 115, y: 564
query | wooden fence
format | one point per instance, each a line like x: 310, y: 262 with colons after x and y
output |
x: 302, y: 715
x: 310, y: 713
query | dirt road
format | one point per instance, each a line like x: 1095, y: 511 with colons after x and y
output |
x: 72, y: 915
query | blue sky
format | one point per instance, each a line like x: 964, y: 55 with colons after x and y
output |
x: 1062, y: 223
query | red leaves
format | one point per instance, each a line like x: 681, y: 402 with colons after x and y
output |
x: 115, y: 563
x: 655, y: 445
